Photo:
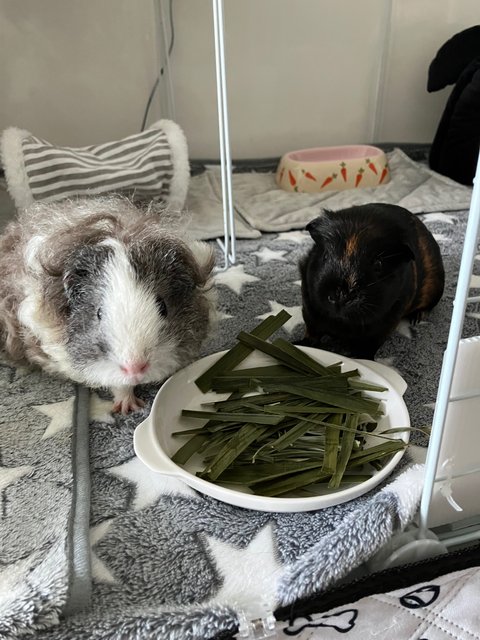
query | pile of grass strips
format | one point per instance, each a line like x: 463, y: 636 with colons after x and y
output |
x: 285, y: 426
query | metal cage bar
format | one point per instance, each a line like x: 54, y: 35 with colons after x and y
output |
x: 228, y: 244
x: 450, y: 354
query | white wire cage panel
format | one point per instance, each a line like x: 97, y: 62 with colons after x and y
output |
x: 452, y: 475
x: 452, y: 466
x: 448, y: 470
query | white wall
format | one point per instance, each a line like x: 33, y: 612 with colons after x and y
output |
x: 76, y: 72
x: 301, y: 73
x: 419, y: 28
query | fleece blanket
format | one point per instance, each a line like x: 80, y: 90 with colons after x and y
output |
x: 95, y: 545
x: 260, y: 205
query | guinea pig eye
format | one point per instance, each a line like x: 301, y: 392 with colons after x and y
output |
x: 377, y: 266
x: 99, y: 314
x: 161, y: 306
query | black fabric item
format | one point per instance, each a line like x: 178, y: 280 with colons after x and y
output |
x: 455, y: 147
x: 453, y: 57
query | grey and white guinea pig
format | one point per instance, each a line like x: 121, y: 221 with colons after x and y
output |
x: 370, y: 266
x: 104, y: 293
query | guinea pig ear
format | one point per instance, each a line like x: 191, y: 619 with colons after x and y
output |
x: 315, y: 228
x: 396, y: 255
x: 405, y: 253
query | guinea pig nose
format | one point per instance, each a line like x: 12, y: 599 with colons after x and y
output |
x: 135, y: 367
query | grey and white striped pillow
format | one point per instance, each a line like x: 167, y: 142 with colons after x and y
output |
x: 152, y: 164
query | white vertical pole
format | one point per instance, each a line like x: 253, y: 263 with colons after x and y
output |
x: 225, y: 157
x: 450, y: 354
x: 377, y: 94
x: 165, y: 85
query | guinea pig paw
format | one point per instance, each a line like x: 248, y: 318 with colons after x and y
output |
x: 417, y: 317
x: 125, y: 401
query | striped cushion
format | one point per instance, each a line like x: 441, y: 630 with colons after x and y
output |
x: 152, y: 164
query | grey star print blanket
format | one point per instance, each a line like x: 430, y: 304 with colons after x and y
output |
x: 95, y: 545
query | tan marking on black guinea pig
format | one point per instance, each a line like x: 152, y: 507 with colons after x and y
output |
x: 104, y: 293
x: 429, y: 276
x: 370, y: 266
x: 351, y: 246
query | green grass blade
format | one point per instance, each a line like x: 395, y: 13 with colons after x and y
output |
x: 332, y: 443
x: 252, y: 341
x: 186, y: 451
x: 303, y: 408
x: 290, y: 483
x: 273, y: 371
x: 259, y: 399
x: 300, y: 356
x: 252, y: 474
x: 363, y: 385
x: 229, y: 452
x: 239, y: 352
x: 290, y: 436
x: 331, y: 398
x: 346, y: 444
x: 214, y: 416
x: 375, y: 453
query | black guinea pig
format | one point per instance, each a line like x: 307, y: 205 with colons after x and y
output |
x: 370, y: 266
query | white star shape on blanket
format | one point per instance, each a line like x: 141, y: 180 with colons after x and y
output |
x: 441, y: 238
x: 267, y: 255
x: 9, y: 475
x: 13, y: 578
x: 294, y: 236
x: 234, y: 278
x: 250, y: 575
x: 295, y: 312
x: 100, y: 571
x: 438, y: 217
x: 60, y: 414
x: 149, y: 485
x: 223, y: 316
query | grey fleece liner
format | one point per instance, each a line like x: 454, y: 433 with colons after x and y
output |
x: 36, y: 489
x: 167, y: 562
x: 260, y: 205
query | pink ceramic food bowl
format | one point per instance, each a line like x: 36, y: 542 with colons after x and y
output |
x: 332, y: 169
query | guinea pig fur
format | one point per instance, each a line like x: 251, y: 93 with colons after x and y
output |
x: 370, y: 266
x: 104, y: 293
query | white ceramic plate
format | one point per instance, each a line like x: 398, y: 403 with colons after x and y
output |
x: 154, y: 443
